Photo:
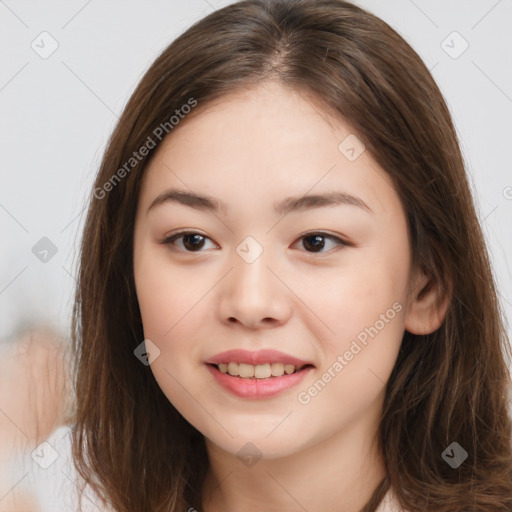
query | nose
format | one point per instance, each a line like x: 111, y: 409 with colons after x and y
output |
x: 253, y: 295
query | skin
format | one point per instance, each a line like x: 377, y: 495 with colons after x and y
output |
x: 249, y: 150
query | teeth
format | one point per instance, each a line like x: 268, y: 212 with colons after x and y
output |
x: 262, y: 371
x: 289, y: 368
x: 259, y: 371
x: 277, y: 369
x: 245, y: 370
x: 233, y: 369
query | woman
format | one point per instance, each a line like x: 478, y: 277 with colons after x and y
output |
x: 268, y: 372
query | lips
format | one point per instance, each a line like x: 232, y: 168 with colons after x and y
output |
x: 286, y: 372
x: 257, y: 358
x: 255, y: 388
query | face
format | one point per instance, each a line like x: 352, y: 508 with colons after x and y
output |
x: 326, y: 284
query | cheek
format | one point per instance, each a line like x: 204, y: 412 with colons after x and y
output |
x: 173, y: 306
x: 364, y: 307
x: 164, y: 296
x: 366, y: 344
x: 357, y: 362
x: 170, y: 320
x: 355, y: 297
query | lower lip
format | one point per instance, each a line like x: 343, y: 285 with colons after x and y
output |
x: 257, y: 388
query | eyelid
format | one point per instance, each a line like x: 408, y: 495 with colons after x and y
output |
x: 169, y: 240
x: 341, y: 242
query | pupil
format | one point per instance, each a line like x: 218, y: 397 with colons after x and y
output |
x: 318, y: 244
x: 192, y: 236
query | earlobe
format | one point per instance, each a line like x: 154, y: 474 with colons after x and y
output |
x: 427, y: 305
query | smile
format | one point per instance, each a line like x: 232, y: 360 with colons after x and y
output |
x: 257, y: 381
x: 259, y: 371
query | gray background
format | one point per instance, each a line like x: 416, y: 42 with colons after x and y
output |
x: 56, y: 114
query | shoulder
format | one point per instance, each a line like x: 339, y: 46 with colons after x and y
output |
x: 389, y: 503
x: 54, y: 478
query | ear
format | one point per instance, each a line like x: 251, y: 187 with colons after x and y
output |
x: 427, y: 304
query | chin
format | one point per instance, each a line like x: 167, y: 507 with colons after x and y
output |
x: 257, y: 447
x: 264, y: 439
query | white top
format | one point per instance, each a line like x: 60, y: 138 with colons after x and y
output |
x: 52, y: 478
x: 389, y: 503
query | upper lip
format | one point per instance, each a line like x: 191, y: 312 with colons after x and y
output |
x: 256, y: 357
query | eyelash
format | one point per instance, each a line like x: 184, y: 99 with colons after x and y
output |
x: 170, y: 241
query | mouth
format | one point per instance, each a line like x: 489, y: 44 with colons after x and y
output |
x: 257, y: 374
x: 257, y: 382
x: 265, y: 371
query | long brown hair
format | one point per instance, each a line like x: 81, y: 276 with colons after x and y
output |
x: 129, y: 442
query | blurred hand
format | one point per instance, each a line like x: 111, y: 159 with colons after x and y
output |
x: 35, y: 399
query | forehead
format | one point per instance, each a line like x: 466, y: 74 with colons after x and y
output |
x: 262, y: 143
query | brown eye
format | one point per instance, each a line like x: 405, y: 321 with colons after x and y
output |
x: 195, y: 242
x: 315, y: 242
x: 191, y: 241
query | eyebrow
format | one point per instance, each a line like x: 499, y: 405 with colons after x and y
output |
x: 289, y: 204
